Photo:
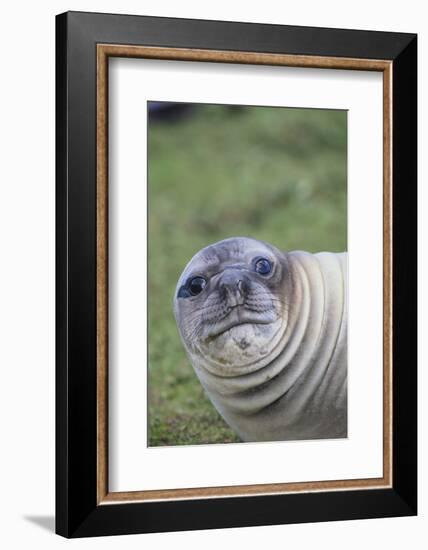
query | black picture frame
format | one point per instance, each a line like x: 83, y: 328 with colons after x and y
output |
x: 78, y: 513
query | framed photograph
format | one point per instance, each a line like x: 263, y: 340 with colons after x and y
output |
x: 236, y: 274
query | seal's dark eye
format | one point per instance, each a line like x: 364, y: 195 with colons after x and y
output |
x: 196, y: 285
x: 262, y: 266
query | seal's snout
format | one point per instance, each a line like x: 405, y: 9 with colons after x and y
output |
x: 234, y: 286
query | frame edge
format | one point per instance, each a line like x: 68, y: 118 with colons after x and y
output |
x: 405, y: 274
x: 61, y: 267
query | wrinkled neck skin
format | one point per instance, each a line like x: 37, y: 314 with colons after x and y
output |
x: 298, y: 390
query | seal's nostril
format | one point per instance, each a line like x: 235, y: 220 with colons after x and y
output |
x: 242, y: 285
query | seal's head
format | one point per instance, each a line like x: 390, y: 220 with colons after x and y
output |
x: 231, y: 305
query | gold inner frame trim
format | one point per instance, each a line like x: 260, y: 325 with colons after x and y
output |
x: 104, y: 51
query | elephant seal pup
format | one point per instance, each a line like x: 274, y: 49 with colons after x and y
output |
x: 266, y: 332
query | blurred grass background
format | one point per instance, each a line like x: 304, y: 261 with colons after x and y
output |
x: 275, y: 174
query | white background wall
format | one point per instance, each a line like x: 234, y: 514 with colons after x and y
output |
x: 27, y: 271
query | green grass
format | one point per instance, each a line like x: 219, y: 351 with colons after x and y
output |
x: 275, y: 174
